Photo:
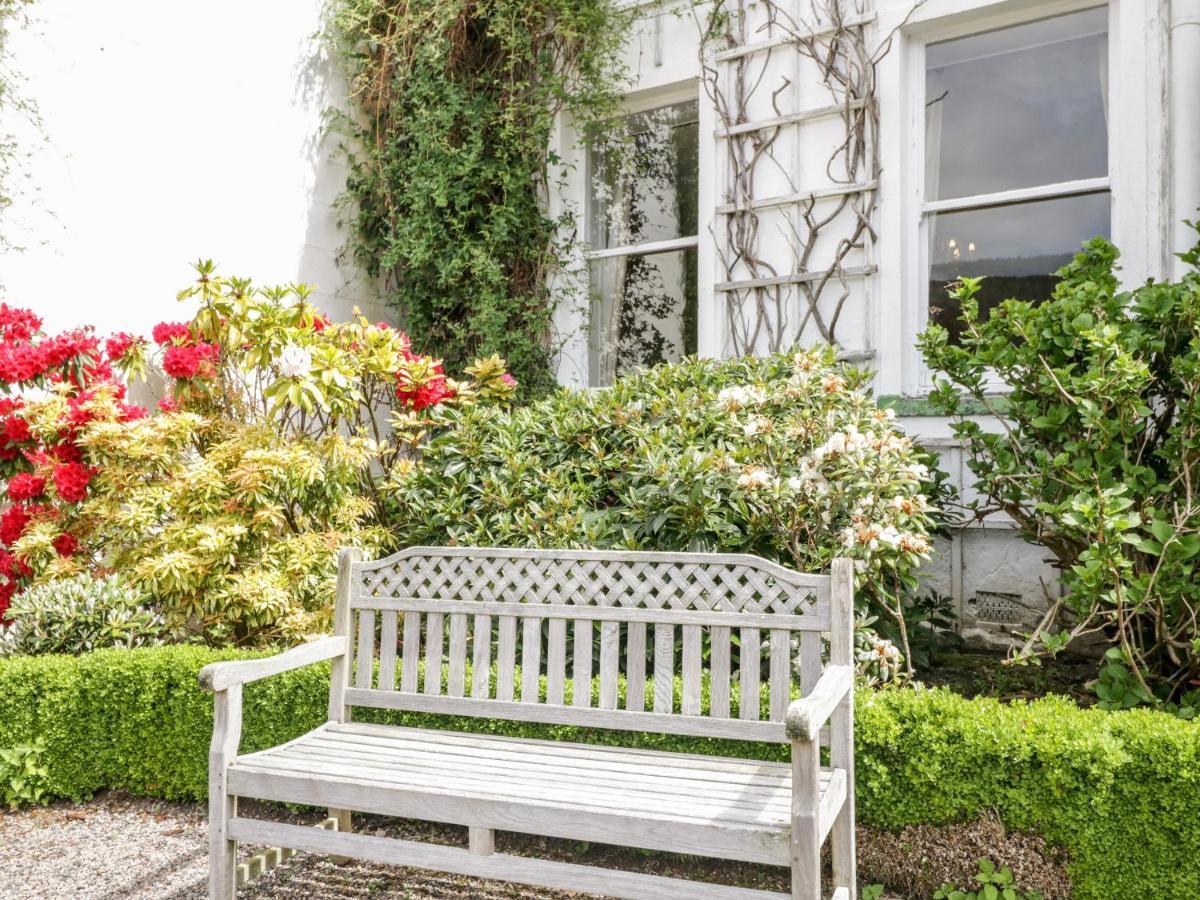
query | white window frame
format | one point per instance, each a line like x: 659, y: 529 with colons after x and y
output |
x: 1136, y: 179
x: 631, y: 104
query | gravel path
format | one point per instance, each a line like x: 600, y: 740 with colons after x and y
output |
x: 120, y: 847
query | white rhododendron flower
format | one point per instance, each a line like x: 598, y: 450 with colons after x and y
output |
x: 294, y: 361
x: 756, y: 425
x: 739, y: 396
x: 884, y: 651
x: 754, y: 477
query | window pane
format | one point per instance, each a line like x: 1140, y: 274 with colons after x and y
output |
x: 643, y: 312
x: 1017, y: 247
x: 643, y: 176
x: 1017, y: 107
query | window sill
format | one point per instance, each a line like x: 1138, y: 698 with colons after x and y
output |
x: 923, y: 407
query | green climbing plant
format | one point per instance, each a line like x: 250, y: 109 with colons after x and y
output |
x: 447, y: 140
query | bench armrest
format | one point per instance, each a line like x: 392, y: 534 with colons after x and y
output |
x: 806, y: 716
x: 219, y: 676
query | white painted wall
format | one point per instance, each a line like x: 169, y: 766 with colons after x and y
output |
x: 171, y: 132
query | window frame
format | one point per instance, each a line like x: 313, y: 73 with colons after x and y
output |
x: 631, y: 104
x: 1138, y: 155
x: 920, y: 221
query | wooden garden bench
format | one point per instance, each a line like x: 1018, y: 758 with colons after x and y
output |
x: 488, y: 633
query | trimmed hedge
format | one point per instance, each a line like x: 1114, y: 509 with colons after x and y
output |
x: 1121, y: 791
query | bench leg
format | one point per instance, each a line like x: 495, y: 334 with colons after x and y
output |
x: 841, y: 836
x: 481, y: 841
x: 222, y: 852
x: 343, y: 824
x: 806, y: 826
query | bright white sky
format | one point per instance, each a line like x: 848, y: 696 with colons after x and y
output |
x: 171, y: 132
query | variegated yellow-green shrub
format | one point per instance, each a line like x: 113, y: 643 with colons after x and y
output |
x: 227, y: 504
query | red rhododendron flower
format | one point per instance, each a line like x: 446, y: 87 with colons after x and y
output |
x: 12, y: 524
x: 188, y: 361
x: 168, y: 405
x: 16, y: 430
x: 120, y: 344
x: 71, y: 481
x: 171, y: 332
x: 18, y: 324
x: 26, y: 486
x: 181, y: 361
x: 7, y: 589
x: 66, y: 544
x: 68, y: 452
x: 320, y: 322
x: 132, y: 413
x: 9, y: 405
x: 21, y: 362
x: 431, y: 393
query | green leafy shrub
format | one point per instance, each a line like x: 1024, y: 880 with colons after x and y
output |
x: 450, y: 163
x: 73, y: 615
x: 786, y: 457
x: 994, y: 884
x: 1096, y: 456
x: 22, y: 774
x: 1121, y: 791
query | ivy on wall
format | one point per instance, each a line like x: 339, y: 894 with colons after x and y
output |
x: 448, y: 143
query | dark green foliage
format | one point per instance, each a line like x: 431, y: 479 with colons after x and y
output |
x: 1121, y: 791
x: 1095, y: 455
x: 664, y: 460
x: 449, y: 163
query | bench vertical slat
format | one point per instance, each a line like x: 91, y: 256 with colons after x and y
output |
x: 582, y: 680
x: 410, y: 664
x: 556, y: 661
x: 610, y: 648
x: 366, y: 649
x: 748, y: 661
x: 506, y: 661
x: 635, y: 667
x: 434, y: 625
x: 387, y: 650
x: 531, y: 659
x: 691, y: 670
x: 781, y: 672
x: 481, y: 661
x: 455, y: 684
x: 718, y: 690
x: 664, y: 668
x: 340, y: 669
x: 810, y: 661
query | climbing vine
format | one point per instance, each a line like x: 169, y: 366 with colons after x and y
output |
x: 453, y: 106
x: 779, y: 291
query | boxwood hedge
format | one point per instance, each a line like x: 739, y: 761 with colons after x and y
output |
x: 1120, y: 791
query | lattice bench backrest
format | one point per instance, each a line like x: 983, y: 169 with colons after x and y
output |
x: 517, y: 634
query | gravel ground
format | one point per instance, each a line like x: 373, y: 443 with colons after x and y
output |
x: 117, y: 846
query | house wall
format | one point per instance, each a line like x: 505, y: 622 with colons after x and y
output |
x: 169, y: 133
x: 999, y: 583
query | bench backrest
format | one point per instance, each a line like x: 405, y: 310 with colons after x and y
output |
x: 428, y: 628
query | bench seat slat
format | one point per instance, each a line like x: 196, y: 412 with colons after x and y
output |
x: 735, y: 809
x: 579, y: 792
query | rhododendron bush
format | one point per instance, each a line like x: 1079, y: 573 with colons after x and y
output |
x: 271, y: 447
x: 787, y: 457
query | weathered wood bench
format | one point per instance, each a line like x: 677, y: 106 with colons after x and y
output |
x: 469, y: 613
